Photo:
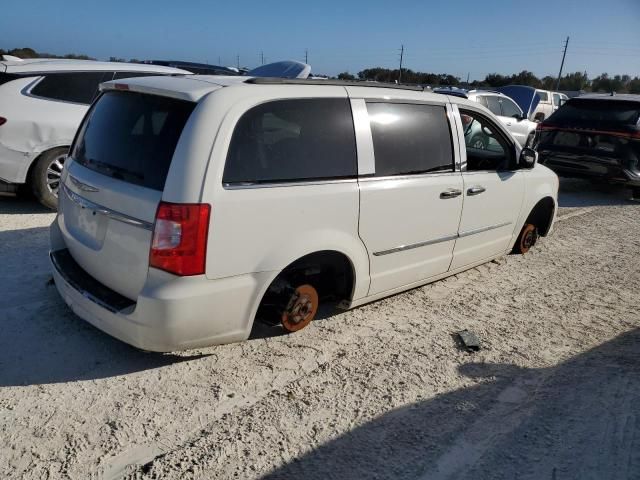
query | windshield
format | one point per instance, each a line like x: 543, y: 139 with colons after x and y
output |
x: 597, y: 114
x: 132, y: 137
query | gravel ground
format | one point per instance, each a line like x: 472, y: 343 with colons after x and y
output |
x: 382, y: 391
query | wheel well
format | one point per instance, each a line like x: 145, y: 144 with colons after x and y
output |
x: 542, y: 214
x: 331, y: 270
x: 331, y: 273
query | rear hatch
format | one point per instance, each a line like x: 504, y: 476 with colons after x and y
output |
x: 115, y: 178
x: 592, y: 137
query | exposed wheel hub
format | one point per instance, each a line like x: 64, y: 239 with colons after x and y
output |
x: 301, y: 308
x: 528, y: 238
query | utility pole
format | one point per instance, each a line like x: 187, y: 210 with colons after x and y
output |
x: 306, y: 55
x: 261, y: 58
x: 566, y: 44
x: 219, y: 60
x: 468, y: 74
x: 238, y: 61
x: 401, y: 55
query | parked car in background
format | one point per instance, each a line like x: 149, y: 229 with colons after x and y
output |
x: 196, y: 68
x: 508, y: 112
x: 594, y: 136
x: 549, y: 103
x: 189, y: 208
x: 42, y: 102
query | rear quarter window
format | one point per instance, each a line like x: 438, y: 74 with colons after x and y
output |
x: 293, y: 140
x: 132, y: 137
x: 76, y: 87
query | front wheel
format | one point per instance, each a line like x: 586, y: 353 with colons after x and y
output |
x: 46, y: 174
x: 527, y: 239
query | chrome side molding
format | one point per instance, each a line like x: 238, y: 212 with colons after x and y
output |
x: 402, y: 248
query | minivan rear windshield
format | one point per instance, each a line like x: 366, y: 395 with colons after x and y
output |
x: 132, y: 137
x: 597, y: 114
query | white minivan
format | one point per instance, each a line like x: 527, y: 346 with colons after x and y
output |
x: 191, y: 206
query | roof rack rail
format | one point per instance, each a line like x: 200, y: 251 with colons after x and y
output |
x: 342, y: 83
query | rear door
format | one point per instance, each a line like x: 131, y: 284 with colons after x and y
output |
x: 410, y: 205
x: 493, y: 191
x: 114, y: 182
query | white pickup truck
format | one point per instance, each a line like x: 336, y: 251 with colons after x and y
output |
x: 549, y: 103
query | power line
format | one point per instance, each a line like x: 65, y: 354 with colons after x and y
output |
x: 401, y: 55
x: 566, y: 44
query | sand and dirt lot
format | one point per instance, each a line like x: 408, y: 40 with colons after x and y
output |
x: 382, y: 391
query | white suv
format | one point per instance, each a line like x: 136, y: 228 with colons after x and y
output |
x: 508, y: 112
x: 191, y: 206
x: 42, y: 102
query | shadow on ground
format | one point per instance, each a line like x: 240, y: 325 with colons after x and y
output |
x: 21, y: 205
x: 576, y: 192
x: 41, y: 340
x: 577, y: 420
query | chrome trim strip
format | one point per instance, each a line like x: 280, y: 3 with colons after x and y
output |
x: 364, y: 139
x: 483, y: 229
x: 410, y: 176
x: 245, y: 186
x: 402, y: 248
x: 112, y: 214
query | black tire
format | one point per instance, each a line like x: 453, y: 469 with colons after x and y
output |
x: 635, y: 193
x: 45, y: 176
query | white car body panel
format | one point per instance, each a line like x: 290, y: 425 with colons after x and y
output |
x: 35, y: 124
x: 397, y: 232
x: 521, y: 129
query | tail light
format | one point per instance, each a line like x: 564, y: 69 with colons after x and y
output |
x: 180, y: 233
x: 3, y: 120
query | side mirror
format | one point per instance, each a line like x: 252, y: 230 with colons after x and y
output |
x: 528, y: 158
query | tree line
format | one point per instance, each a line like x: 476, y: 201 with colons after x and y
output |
x: 570, y: 82
x: 31, y: 53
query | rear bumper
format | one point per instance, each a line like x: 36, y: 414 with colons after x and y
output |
x: 588, y: 167
x: 171, y: 313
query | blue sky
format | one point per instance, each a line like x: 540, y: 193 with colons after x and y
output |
x: 465, y: 36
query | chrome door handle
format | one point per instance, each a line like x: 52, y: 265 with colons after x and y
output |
x: 451, y: 193
x: 477, y: 190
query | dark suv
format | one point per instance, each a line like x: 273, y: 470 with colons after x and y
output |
x: 594, y: 136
